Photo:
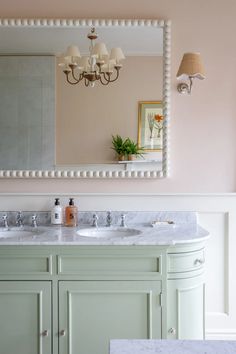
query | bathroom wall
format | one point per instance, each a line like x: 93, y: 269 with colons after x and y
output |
x: 203, y: 144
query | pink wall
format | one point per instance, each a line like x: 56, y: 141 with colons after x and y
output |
x: 203, y: 127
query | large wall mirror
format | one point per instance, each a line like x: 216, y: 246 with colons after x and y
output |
x: 52, y: 129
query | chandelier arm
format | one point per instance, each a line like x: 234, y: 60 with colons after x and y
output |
x: 104, y: 83
x: 103, y: 77
x: 71, y: 82
x: 97, y: 75
x: 107, y: 77
x: 117, y: 75
x: 74, y: 77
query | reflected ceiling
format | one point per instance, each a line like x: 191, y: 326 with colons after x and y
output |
x: 134, y: 41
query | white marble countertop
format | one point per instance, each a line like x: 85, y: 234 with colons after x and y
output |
x: 172, y: 347
x: 56, y: 235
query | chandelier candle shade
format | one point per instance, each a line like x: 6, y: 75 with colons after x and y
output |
x: 98, y: 66
x: 191, y: 67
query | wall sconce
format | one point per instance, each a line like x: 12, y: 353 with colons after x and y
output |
x: 191, y: 67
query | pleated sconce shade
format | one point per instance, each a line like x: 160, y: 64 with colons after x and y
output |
x: 191, y: 66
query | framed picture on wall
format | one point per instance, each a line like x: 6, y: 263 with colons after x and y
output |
x: 150, y: 125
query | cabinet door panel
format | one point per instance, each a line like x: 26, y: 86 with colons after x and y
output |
x: 25, y: 312
x: 92, y: 313
x: 186, y: 308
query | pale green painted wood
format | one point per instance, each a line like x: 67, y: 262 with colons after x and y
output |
x: 83, y: 262
x: 186, y: 308
x: 25, y: 312
x: 185, y: 262
x: 92, y: 313
x: 74, y: 264
x: 25, y: 264
x: 96, y: 269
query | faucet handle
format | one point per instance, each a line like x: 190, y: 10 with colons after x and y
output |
x: 5, y: 220
x: 19, y: 221
x: 19, y: 215
x: 122, y: 223
x: 34, y: 220
x: 95, y: 220
x: 109, y: 218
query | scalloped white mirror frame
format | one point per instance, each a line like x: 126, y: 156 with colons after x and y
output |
x: 70, y: 23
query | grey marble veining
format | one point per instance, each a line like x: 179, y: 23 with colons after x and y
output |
x: 185, y: 230
x: 172, y: 347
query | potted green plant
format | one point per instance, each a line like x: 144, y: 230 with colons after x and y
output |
x: 132, y: 149
x: 119, y: 146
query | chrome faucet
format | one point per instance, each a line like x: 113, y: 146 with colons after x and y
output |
x: 34, y: 220
x: 122, y: 223
x: 19, y: 219
x: 95, y: 220
x: 5, y: 221
x: 109, y: 219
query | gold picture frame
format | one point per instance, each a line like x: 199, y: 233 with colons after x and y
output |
x: 150, y: 125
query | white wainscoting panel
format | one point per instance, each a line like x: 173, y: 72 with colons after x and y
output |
x: 217, y: 213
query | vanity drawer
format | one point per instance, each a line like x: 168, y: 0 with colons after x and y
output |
x: 185, y: 262
x: 68, y: 264
x: 15, y: 264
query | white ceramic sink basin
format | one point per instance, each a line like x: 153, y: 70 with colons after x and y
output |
x: 16, y: 233
x: 103, y: 232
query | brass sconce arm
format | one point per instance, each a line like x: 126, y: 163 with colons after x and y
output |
x: 185, y: 88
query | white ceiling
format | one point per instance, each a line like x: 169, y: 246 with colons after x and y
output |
x: 54, y: 41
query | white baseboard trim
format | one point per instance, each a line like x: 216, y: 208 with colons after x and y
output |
x: 221, y: 335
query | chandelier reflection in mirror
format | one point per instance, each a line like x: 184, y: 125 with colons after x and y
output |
x: 98, y: 66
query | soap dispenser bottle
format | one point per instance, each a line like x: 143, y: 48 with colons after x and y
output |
x: 56, y: 213
x: 71, y: 214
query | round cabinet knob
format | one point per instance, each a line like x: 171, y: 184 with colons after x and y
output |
x: 199, y: 261
x: 45, y: 333
x: 172, y: 330
x: 63, y: 332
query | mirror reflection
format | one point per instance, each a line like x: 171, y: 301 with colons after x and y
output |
x: 47, y: 123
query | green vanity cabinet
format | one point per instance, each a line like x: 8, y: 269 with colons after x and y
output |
x: 25, y: 317
x: 73, y: 299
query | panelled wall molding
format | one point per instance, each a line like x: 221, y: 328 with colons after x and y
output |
x: 217, y: 213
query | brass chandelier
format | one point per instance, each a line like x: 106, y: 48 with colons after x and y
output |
x: 98, y: 66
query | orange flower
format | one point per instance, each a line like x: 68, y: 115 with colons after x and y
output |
x: 158, y: 117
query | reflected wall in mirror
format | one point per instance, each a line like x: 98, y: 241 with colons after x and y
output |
x: 68, y: 129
